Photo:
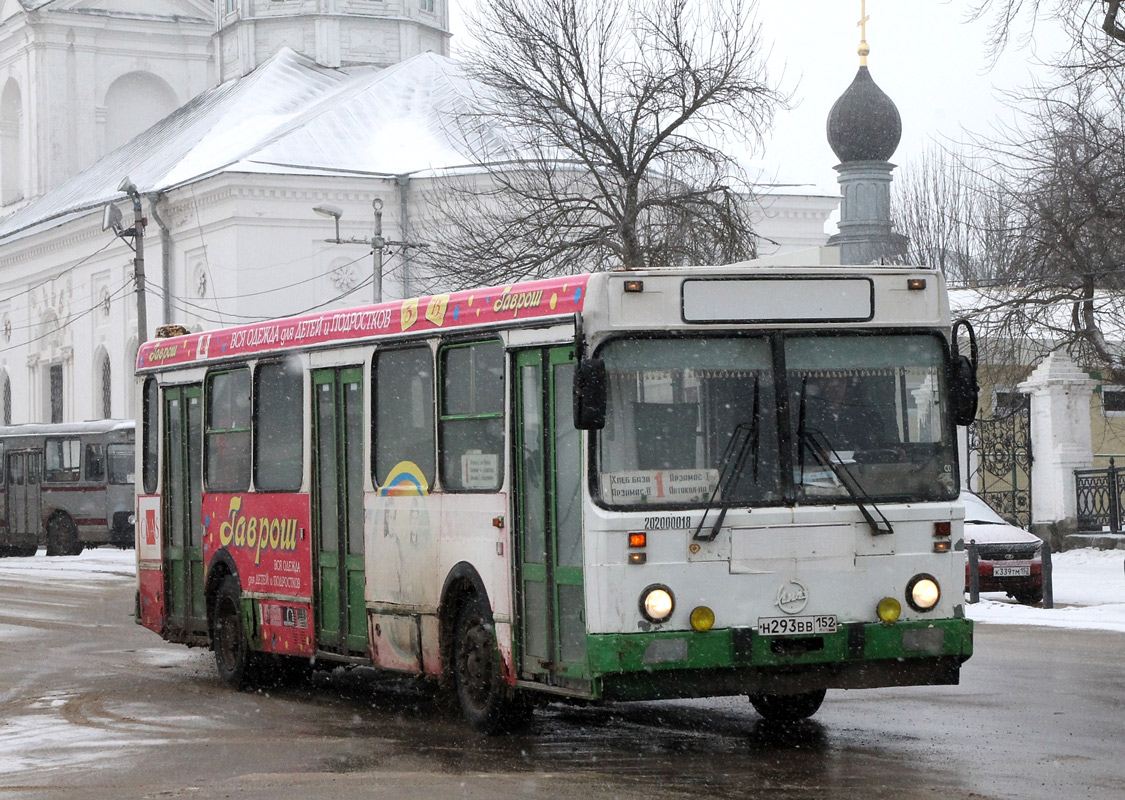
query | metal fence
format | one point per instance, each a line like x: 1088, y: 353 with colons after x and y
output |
x: 1099, y: 500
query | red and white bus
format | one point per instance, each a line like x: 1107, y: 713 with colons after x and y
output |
x: 624, y: 485
x: 67, y: 486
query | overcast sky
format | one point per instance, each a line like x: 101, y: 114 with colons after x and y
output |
x: 923, y: 55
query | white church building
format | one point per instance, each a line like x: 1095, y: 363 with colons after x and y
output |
x: 230, y: 121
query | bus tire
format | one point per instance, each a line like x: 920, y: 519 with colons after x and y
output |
x: 489, y: 704
x: 787, y: 707
x: 233, y: 656
x: 62, y: 536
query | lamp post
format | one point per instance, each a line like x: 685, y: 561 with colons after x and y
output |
x: 111, y: 218
x: 377, y: 243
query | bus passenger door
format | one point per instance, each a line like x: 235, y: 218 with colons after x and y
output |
x: 548, y: 474
x: 183, y: 519
x: 24, y: 517
x: 341, y: 612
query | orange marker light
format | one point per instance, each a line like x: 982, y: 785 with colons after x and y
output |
x: 638, y: 539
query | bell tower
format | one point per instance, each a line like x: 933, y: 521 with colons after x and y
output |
x: 334, y: 33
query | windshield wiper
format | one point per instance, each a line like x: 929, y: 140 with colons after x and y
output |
x: 826, y: 454
x: 743, y: 442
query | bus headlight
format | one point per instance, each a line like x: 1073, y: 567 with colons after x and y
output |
x: 657, y: 603
x: 923, y: 592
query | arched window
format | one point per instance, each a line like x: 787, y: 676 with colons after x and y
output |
x: 134, y: 103
x: 6, y: 399
x: 11, y: 144
x: 107, y: 387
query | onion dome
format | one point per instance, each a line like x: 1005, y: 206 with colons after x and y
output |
x: 864, y: 124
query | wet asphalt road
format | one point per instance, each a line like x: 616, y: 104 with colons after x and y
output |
x: 92, y: 706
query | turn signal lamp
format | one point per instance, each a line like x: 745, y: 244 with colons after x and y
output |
x: 922, y: 592
x: 889, y: 609
x: 702, y: 618
x: 943, y: 529
x: 637, y: 539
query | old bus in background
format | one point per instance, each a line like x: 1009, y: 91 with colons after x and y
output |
x: 626, y: 485
x: 66, y: 486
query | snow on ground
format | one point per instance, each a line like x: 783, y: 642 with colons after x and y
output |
x: 101, y: 564
x: 1089, y: 593
x: 1089, y: 586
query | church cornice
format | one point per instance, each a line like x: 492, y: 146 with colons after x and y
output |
x: 397, y: 19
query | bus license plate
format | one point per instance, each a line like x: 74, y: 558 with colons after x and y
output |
x: 789, y: 626
x: 1011, y: 572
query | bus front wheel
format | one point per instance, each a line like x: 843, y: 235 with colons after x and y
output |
x: 228, y: 636
x: 487, y: 702
x: 62, y: 537
x: 787, y: 707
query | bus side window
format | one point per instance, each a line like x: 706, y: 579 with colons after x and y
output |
x: 472, y: 416
x: 151, y: 441
x: 403, y: 419
x: 95, y: 463
x: 62, y: 460
x: 227, y: 440
x: 278, y: 422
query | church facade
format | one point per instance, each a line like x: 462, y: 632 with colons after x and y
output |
x: 255, y: 113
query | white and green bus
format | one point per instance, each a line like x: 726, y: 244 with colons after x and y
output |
x: 731, y: 480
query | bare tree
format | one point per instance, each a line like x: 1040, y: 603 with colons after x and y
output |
x: 1059, y: 275
x: 605, y: 125
x: 1095, y: 30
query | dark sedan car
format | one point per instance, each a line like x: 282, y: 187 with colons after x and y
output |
x: 1010, y: 557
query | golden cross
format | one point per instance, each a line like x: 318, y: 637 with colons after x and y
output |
x: 862, y: 25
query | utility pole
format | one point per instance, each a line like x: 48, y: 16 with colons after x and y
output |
x: 377, y: 245
x: 138, y: 233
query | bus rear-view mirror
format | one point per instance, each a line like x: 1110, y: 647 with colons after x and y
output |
x: 590, y: 394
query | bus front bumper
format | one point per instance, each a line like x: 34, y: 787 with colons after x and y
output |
x: 675, y: 664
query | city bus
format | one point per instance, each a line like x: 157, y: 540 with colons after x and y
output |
x: 616, y: 486
x: 67, y: 486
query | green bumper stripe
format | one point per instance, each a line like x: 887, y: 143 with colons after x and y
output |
x: 718, y: 649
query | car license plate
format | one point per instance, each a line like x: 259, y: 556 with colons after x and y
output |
x: 789, y: 626
x: 1011, y: 572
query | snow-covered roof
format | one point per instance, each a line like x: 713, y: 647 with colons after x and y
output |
x: 289, y: 116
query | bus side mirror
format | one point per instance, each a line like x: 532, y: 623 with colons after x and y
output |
x: 964, y: 391
x: 589, y: 394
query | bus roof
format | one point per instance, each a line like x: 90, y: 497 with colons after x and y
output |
x: 813, y: 291
x: 64, y: 428
x: 552, y: 297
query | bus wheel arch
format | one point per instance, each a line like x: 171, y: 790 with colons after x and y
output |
x: 233, y: 655
x: 472, y: 659
x: 220, y: 567
x: 62, y: 535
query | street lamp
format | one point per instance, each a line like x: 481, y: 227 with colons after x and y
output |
x: 111, y: 218
x: 376, y: 242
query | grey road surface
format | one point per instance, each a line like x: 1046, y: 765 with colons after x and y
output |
x: 92, y: 706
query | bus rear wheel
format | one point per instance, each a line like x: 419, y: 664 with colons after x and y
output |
x: 489, y: 704
x: 787, y: 707
x: 233, y: 657
x: 62, y: 537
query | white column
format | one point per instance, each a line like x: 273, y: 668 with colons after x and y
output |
x: 1060, y: 441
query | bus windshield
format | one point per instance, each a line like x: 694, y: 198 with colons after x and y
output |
x: 873, y: 401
